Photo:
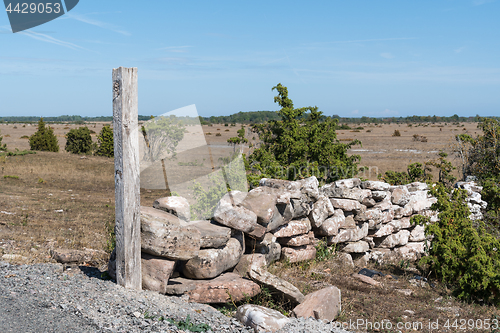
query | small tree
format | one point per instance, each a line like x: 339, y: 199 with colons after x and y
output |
x: 237, y: 140
x: 2, y: 146
x: 303, y: 143
x: 44, y: 139
x: 79, y: 141
x: 464, y: 256
x: 105, y: 140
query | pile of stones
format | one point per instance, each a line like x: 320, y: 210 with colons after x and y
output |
x: 224, y: 259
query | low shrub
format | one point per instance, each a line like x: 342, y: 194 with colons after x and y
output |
x: 105, y: 142
x: 462, y: 255
x: 396, y: 133
x: 44, y: 139
x: 79, y: 141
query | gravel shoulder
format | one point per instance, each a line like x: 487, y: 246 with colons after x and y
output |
x: 50, y: 298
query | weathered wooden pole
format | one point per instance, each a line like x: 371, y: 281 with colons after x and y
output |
x: 127, y: 181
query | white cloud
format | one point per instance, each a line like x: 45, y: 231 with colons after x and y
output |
x: 49, y: 39
x: 355, y: 112
x: 460, y: 49
x: 176, y: 49
x: 97, y: 23
x: 481, y: 2
x: 386, y: 55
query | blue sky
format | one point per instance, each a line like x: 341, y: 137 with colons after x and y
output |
x: 351, y: 58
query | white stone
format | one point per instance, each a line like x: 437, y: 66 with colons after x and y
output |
x: 261, y: 318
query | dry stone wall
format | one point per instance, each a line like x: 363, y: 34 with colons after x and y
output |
x: 225, y: 258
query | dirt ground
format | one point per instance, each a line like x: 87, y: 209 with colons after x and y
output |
x: 60, y: 200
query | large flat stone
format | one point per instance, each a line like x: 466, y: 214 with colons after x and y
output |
x: 293, y: 228
x: 324, y: 304
x: 348, y: 205
x: 177, y: 206
x: 349, y: 235
x: 398, y: 239
x: 236, y: 217
x: 163, y: 235
x: 225, y: 288
x: 288, y: 290
x: 375, y: 185
x: 299, y: 240
x: 213, y: 235
x: 299, y: 253
x: 210, y: 263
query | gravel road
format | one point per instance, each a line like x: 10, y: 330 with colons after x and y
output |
x: 49, y: 298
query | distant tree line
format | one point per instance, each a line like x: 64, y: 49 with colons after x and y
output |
x: 259, y: 117
x: 61, y: 119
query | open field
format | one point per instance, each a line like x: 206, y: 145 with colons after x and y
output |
x: 65, y: 200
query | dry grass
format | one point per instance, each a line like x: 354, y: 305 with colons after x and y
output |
x: 380, y: 303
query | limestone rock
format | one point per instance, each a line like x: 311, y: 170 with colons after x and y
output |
x: 261, y: 318
x: 70, y: 256
x: 400, y: 224
x: 320, y: 211
x: 400, y: 212
x: 324, y: 304
x: 385, y: 205
x: 215, y: 290
x: 262, y: 201
x: 366, y: 279
x: 213, y: 235
x: 348, y: 222
x: 288, y: 290
x: 368, y: 202
x: 356, y: 247
x: 400, y: 196
x: 156, y: 272
x: 280, y: 184
x: 293, y: 228
x: 412, y: 251
x: 299, y: 240
x: 352, y: 194
x: 330, y: 226
x: 210, y: 263
x: 391, y: 241
x: 349, y: 235
x: 417, y: 234
x: 348, y: 183
x: 299, y: 208
x: 309, y: 187
x: 373, y: 215
x: 299, y: 253
x: 417, y: 186
x: 162, y: 235
x: 248, y: 262
x: 232, y: 216
x: 177, y: 206
x: 381, y: 195
x: 375, y: 185
x: 348, y: 205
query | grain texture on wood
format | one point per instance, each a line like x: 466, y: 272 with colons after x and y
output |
x: 127, y: 181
